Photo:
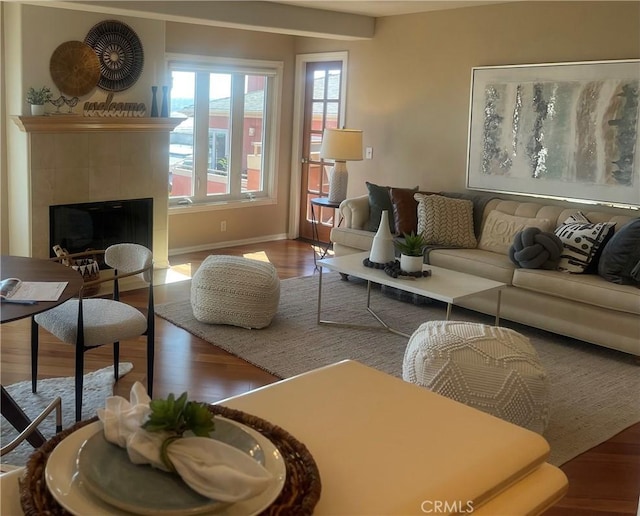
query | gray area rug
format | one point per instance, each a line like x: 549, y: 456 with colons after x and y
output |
x: 98, y: 385
x: 594, y: 391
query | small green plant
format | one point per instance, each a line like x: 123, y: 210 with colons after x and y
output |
x: 175, y: 417
x: 412, y: 245
x: 39, y: 97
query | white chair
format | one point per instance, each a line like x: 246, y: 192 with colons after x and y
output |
x: 92, y: 322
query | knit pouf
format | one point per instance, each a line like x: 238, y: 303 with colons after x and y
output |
x: 236, y: 291
x: 492, y: 369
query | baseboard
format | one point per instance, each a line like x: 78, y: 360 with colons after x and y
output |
x: 228, y: 243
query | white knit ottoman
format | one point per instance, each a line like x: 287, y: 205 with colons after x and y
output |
x: 236, y: 291
x: 493, y: 369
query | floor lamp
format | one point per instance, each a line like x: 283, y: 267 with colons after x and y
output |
x: 340, y: 145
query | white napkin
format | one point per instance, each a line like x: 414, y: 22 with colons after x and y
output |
x: 210, y: 467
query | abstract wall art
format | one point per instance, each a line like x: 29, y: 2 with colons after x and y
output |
x: 564, y: 130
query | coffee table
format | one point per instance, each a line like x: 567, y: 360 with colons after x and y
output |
x: 443, y: 285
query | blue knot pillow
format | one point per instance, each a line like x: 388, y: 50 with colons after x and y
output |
x: 533, y: 248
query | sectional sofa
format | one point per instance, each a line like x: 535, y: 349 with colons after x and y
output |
x: 582, y: 306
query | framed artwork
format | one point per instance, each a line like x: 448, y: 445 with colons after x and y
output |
x: 564, y: 131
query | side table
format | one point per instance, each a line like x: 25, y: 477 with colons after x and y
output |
x: 321, y: 202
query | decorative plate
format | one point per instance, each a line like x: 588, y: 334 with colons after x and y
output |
x: 64, y: 482
x: 74, y: 68
x: 120, y: 53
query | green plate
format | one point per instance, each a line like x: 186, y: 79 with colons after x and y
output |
x: 106, y: 471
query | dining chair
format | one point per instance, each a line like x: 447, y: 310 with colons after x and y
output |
x: 87, y: 323
x: 56, y: 405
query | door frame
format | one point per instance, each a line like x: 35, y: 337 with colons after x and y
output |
x: 293, y: 230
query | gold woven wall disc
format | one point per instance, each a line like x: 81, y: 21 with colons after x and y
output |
x: 75, y: 68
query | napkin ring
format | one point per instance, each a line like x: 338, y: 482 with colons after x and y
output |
x: 164, y: 455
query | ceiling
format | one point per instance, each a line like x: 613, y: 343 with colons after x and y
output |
x: 378, y: 8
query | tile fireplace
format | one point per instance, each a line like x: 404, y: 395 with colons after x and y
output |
x: 80, y: 160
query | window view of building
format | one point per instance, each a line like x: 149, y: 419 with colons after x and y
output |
x: 223, y: 149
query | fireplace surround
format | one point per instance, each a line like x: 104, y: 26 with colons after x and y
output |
x: 77, y: 160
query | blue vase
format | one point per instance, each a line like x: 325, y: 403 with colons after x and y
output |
x: 154, y: 102
x: 165, y: 102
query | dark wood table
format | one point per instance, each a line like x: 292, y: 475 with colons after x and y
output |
x: 32, y: 269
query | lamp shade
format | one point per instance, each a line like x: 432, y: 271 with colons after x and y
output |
x: 342, y: 144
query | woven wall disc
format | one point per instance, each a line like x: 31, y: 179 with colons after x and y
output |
x: 120, y: 53
x: 74, y: 68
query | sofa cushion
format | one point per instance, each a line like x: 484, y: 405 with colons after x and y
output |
x: 500, y: 229
x: 584, y: 288
x: 446, y: 221
x: 581, y: 240
x: 405, y: 209
x: 379, y: 201
x: 620, y: 259
x: 481, y: 263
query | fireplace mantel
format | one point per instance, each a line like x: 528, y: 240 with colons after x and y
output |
x: 78, y: 123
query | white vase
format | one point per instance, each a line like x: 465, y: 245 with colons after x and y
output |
x: 410, y: 263
x: 382, y: 249
x: 37, y: 109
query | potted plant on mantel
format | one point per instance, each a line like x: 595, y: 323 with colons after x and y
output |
x: 38, y: 98
x: 411, y: 252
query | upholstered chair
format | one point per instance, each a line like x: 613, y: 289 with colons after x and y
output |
x: 87, y: 323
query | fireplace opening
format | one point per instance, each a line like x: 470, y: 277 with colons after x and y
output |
x: 97, y: 225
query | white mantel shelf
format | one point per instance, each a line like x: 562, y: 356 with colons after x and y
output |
x: 78, y: 123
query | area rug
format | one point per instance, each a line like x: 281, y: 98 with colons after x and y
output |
x: 593, y: 389
x: 98, y: 385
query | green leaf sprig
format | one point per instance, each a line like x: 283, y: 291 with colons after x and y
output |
x: 177, y: 416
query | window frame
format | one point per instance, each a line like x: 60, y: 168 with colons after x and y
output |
x: 273, y: 71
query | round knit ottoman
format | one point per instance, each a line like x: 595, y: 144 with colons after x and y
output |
x: 493, y: 369
x: 236, y: 291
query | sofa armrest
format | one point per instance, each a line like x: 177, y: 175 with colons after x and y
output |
x: 355, y: 212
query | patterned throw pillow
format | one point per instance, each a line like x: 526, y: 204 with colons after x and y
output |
x: 500, y: 228
x: 446, y: 221
x: 581, y: 240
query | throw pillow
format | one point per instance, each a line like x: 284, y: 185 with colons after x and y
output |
x: 535, y: 249
x: 620, y: 260
x: 379, y: 201
x: 500, y: 229
x: 581, y: 241
x: 405, y: 210
x: 445, y: 221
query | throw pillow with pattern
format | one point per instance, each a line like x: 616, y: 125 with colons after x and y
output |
x: 500, y: 229
x: 581, y: 240
x: 445, y: 221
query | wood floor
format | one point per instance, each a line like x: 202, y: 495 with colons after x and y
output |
x: 604, y: 480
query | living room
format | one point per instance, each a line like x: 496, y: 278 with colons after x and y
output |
x: 408, y: 90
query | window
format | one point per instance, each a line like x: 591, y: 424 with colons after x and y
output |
x: 225, y: 149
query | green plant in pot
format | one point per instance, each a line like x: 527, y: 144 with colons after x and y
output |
x: 411, y: 252
x: 38, y: 98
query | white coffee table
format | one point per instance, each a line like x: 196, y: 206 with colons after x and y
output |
x: 443, y: 285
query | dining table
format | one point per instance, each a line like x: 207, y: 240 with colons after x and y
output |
x: 382, y: 446
x: 32, y: 269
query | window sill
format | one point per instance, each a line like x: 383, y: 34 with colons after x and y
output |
x: 183, y: 209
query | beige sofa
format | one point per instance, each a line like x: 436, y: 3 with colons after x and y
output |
x: 582, y: 306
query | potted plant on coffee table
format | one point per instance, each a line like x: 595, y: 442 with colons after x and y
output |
x: 411, y: 252
x: 38, y: 98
